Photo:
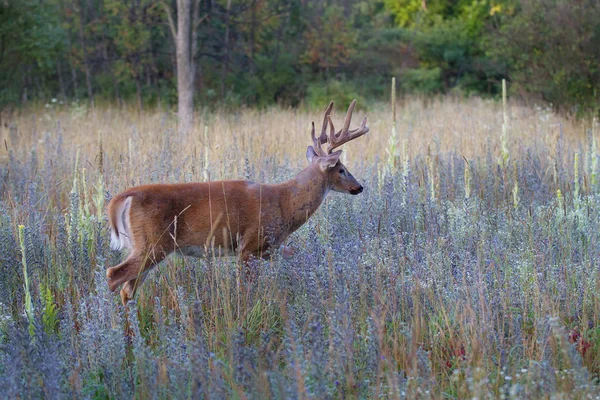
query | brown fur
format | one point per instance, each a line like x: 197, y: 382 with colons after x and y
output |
x: 249, y: 218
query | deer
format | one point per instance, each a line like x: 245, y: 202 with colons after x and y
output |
x: 235, y: 217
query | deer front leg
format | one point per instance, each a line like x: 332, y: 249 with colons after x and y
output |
x: 247, y: 257
x: 287, y: 251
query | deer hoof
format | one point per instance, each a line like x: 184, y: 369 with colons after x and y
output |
x: 288, y: 251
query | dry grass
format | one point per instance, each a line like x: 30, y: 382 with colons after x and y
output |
x: 471, y: 128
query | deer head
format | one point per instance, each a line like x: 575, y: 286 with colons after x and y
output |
x: 328, y: 161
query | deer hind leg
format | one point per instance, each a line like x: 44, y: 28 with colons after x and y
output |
x: 123, y: 272
x: 130, y: 270
x: 130, y: 287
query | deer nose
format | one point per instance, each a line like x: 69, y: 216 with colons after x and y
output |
x: 356, y: 190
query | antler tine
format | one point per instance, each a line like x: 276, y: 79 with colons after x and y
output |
x: 362, y: 126
x: 316, y: 142
x: 345, y: 135
x: 348, y: 118
x: 331, y: 128
x: 323, y: 136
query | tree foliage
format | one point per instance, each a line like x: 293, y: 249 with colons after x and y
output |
x: 262, y: 52
x: 30, y: 41
x: 552, y: 49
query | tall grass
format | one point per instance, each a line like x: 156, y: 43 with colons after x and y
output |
x: 456, y: 274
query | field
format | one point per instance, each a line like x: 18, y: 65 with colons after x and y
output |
x: 468, y: 268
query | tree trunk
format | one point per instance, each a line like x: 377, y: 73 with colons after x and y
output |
x: 116, y: 89
x: 88, y: 75
x: 253, y: 23
x: 200, y: 80
x: 74, y: 79
x: 61, y: 81
x: 154, y: 76
x: 185, y: 45
x: 185, y: 75
x: 225, y: 61
x: 138, y: 93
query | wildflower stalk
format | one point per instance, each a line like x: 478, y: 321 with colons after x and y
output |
x: 206, y: 154
x: 467, y: 180
x: 559, y: 199
x: 576, y: 181
x: 85, y: 216
x: 431, y: 173
x: 28, y: 304
x: 392, y: 148
x: 594, y: 155
x: 71, y: 220
x: 49, y: 310
x: 405, y: 169
x: 130, y: 152
x: 504, y: 138
x: 98, y: 198
x: 100, y: 154
x: 515, y: 189
x: 83, y: 205
x: 130, y: 159
x: 75, y: 173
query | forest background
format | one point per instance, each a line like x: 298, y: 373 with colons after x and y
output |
x: 295, y: 52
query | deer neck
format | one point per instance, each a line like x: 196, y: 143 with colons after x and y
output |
x: 306, y: 193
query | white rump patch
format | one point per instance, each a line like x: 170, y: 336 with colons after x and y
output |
x: 123, y: 239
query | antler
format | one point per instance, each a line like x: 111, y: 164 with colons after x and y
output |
x: 323, y: 136
x: 335, y: 140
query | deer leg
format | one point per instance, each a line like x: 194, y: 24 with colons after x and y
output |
x: 123, y: 272
x: 288, y: 251
x: 130, y: 287
x: 247, y: 257
x: 130, y: 269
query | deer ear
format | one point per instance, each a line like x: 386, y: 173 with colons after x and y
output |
x: 310, y: 154
x: 329, y: 161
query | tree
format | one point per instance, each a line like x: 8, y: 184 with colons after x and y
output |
x: 330, y: 40
x: 447, y: 39
x: 30, y: 40
x: 186, y: 45
x: 553, y: 51
x: 130, y: 30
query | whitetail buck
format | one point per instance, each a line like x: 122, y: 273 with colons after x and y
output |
x: 245, y: 217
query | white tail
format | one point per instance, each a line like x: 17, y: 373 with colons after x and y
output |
x: 120, y: 230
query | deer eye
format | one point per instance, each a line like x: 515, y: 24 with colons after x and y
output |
x: 342, y: 172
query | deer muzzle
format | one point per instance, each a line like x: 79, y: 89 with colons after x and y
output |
x: 356, y: 190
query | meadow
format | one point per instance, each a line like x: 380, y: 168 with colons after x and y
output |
x: 466, y: 269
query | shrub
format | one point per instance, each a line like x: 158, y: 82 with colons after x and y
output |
x: 342, y: 92
x: 552, y: 48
